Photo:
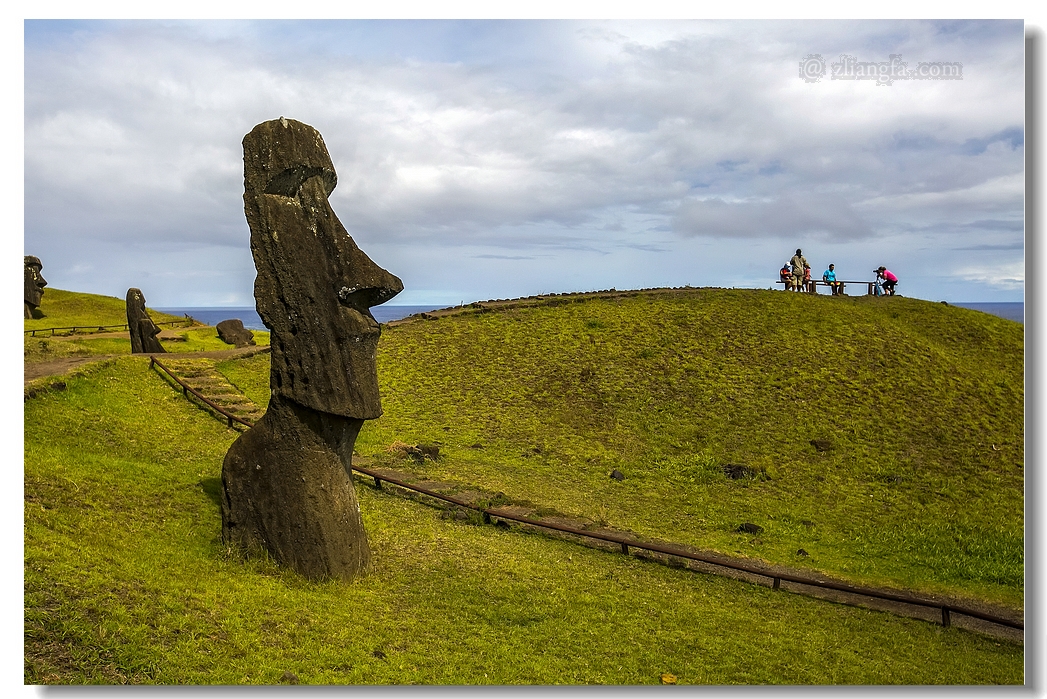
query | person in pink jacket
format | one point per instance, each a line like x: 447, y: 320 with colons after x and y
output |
x: 889, y: 279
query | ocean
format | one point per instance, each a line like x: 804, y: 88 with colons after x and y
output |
x: 1011, y: 311
x: 251, y: 321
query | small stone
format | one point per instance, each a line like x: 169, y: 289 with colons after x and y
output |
x: 429, y: 451
x: 803, y: 553
x: 289, y: 677
x: 822, y: 445
x: 807, y: 523
x: 476, y: 446
x: 617, y: 475
x: 378, y: 654
x: 749, y: 528
x: 738, y: 471
x: 668, y: 678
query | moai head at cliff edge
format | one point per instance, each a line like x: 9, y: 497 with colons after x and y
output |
x: 314, y: 286
x: 34, y: 285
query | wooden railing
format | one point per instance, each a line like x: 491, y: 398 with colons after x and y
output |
x: 88, y: 329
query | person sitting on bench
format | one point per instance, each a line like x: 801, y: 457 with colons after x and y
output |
x: 786, y: 275
x: 829, y: 277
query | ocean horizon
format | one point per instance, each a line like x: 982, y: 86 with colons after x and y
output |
x: 1011, y: 310
x: 212, y: 315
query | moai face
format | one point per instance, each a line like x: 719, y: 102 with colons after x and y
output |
x: 34, y: 281
x: 314, y: 286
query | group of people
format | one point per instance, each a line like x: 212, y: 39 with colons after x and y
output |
x: 796, y: 275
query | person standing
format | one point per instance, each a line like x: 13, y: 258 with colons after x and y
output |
x: 829, y: 277
x: 798, y: 263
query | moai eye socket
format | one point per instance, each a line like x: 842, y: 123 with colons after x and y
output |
x: 288, y: 182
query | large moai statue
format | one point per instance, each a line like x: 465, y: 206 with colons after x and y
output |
x: 34, y: 286
x: 286, y: 483
x: 141, y: 327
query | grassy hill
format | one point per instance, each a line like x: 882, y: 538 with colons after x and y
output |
x: 64, y: 309
x: 917, y: 407
x: 126, y: 580
x: 67, y: 308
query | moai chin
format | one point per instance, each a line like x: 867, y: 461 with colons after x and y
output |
x: 34, y: 286
x: 140, y: 326
x: 287, y: 484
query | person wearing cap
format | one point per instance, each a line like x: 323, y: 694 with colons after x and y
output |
x: 829, y: 277
x: 798, y: 263
x: 786, y: 275
x: 889, y: 279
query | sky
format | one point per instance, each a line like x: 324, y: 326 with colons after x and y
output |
x: 497, y: 159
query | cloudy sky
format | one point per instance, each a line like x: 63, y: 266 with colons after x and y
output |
x: 493, y: 159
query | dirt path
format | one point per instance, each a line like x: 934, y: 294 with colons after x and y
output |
x: 57, y: 367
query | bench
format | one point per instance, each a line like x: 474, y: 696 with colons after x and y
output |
x: 813, y: 284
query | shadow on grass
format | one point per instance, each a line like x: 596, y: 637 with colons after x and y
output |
x: 212, y: 487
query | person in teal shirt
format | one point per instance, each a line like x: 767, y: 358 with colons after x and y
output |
x: 829, y: 277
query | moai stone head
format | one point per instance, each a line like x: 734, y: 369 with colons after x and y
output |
x: 314, y: 286
x: 140, y: 326
x: 34, y: 284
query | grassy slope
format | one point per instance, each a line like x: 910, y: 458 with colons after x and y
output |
x: 69, y: 308
x: 66, y: 308
x: 126, y: 581
x: 922, y: 403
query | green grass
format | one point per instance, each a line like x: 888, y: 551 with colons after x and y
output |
x: 68, y: 308
x: 922, y: 404
x: 126, y: 581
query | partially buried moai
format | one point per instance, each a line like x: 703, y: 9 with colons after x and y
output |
x: 34, y: 286
x: 141, y: 327
x: 286, y: 482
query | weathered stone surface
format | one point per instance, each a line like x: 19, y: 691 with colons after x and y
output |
x: 34, y: 286
x: 233, y: 332
x: 314, y: 285
x: 286, y: 482
x: 141, y: 327
x: 286, y: 490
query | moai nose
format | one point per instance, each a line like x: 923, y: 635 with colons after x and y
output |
x: 371, y: 284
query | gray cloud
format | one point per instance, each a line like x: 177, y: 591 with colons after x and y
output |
x: 521, y: 138
x: 817, y: 215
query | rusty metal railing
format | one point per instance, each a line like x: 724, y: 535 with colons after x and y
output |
x: 88, y: 329
x: 947, y: 609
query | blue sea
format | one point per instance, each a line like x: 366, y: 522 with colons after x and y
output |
x: 1011, y: 311
x: 251, y: 321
